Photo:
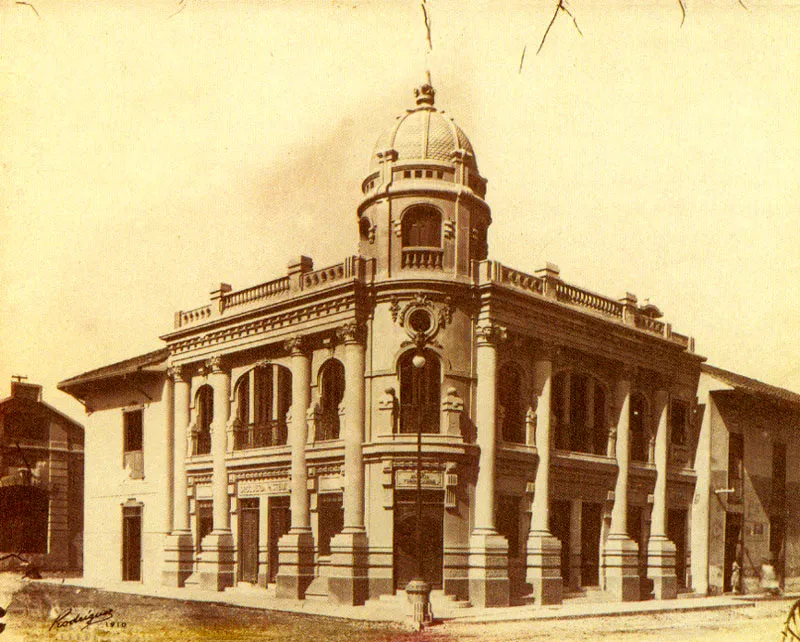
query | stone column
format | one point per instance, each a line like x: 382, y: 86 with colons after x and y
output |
x: 178, y: 546
x: 488, y: 557
x: 347, y: 580
x: 296, y: 548
x: 216, y: 561
x: 621, y: 552
x: 661, y: 551
x: 544, y: 549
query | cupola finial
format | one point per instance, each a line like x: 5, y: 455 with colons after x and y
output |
x: 425, y: 92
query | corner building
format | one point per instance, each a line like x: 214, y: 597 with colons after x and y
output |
x: 275, y: 436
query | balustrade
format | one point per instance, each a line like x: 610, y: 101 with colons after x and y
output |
x: 262, y: 435
x: 416, y: 258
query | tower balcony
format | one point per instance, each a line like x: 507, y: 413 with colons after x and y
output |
x: 422, y: 258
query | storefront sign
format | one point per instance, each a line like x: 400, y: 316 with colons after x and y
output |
x: 408, y: 479
x: 256, y: 487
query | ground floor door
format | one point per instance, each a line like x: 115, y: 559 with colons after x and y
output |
x: 131, y: 543
x: 676, y: 532
x: 733, y: 537
x: 591, y: 526
x: 248, y: 540
x: 406, y: 549
x: 279, y: 521
x: 560, y: 527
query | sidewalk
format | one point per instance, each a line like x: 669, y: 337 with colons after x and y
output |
x: 395, y: 608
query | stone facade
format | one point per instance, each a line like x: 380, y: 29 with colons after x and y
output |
x: 556, y: 429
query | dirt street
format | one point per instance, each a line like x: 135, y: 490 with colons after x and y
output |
x: 51, y: 612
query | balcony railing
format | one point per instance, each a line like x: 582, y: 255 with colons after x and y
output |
x: 422, y: 258
x: 272, y: 433
x: 201, y: 443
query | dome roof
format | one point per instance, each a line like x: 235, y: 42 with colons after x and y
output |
x: 424, y: 133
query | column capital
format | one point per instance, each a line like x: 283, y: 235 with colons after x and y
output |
x: 178, y: 373
x: 215, y: 364
x: 489, y: 333
x: 296, y: 345
x: 351, y: 332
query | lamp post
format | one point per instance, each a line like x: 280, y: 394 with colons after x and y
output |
x: 418, y: 590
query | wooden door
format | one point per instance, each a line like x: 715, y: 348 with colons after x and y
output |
x: 405, y: 537
x: 560, y: 527
x: 248, y: 540
x: 279, y: 522
x: 591, y: 526
x: 131, y: 543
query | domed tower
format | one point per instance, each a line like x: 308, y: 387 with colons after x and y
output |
x: 423, y: 211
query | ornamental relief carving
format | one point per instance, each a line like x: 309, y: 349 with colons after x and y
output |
x: 421, y: 317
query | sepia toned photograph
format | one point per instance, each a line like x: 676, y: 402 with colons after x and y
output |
x: 418, y: 320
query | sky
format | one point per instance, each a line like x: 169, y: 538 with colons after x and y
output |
x: 150, y: 151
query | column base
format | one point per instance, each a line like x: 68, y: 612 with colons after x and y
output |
x: 295, y: 564
x: 178, y: 559
x: 215, y: 564
x: 488, y: 569
x: 348, y: 581
x: 622, y: 568
x: 661, y: 567
x: 544, y: 567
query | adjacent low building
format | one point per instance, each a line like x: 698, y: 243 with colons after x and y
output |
x: 41, y: 481
x: 275, y: 440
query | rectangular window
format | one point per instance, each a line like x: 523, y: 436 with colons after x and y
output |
x: 132, y: 422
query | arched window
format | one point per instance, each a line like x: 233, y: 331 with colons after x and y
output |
x: 272, y: 397
x: 422, y: 227
x: 331, y: 393
x: 638, y: 428
x: 243, y: 400
x: 509, y: 396
x: 578, y: 413
x: 205, y: 415
x: 420, y: 392
x: 364, y: 228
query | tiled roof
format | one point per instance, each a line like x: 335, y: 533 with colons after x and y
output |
x: 752, y: 386
x: 115, y: 369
